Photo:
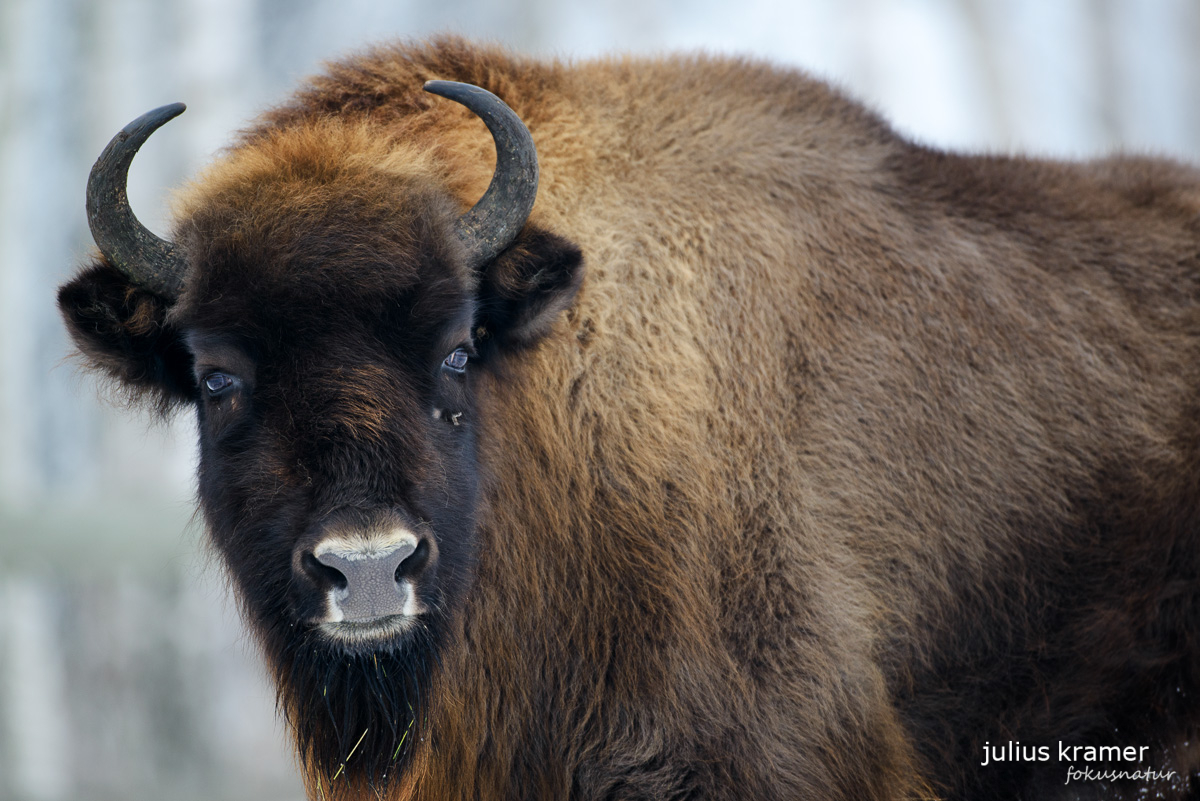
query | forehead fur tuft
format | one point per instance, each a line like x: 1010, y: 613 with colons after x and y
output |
x: 327, y: 150
x: 326, y: 209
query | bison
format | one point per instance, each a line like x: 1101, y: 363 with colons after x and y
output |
x: 767, y: 455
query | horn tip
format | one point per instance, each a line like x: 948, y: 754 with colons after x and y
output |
x: 454, y: 90
x: 170, y: 111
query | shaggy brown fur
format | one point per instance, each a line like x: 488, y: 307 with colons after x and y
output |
x: 848, y: 457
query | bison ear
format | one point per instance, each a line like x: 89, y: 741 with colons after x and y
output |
x: 522, y: 292
x: 123, y: 331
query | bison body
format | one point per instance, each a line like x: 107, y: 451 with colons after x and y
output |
x: 790, y: 459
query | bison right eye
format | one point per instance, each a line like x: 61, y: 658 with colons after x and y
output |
x: 218, y: 383
x: 457, y: 361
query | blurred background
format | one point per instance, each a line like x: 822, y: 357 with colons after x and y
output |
x: 124, y: 672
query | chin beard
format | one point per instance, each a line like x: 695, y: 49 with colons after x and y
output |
x: 356, y: 713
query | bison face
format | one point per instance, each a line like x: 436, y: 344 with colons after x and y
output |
x: 333, y: 334
x: 334, y: 377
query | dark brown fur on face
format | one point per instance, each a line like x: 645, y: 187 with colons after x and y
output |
x: 845, y: 458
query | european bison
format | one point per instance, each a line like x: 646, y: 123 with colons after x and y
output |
x: 770, y: 456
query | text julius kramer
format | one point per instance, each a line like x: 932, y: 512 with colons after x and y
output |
x: 1015, y: 752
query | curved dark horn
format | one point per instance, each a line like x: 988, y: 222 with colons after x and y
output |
x: 148, y: 261
x: 494, y: 222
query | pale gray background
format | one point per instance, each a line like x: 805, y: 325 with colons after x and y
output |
x: 123, y: 670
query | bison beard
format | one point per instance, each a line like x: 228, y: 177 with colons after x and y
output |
x: 356, y: 715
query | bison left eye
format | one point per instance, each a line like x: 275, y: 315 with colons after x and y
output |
x: 457, y: 361
x: 217, y: 383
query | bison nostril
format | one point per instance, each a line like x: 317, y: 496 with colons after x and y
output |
x: 366, y: 578
x: 412, y: 564
x: 324, y: 573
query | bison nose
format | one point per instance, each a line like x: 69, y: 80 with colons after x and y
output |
x: 370, y: 579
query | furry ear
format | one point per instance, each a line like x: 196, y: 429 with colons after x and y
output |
x: 123, y: 331
x: 524, y: 290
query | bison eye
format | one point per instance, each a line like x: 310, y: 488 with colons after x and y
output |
x: 457, y: 361
x: 217, y: 383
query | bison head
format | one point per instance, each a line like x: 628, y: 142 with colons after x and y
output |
x: 332, y: 316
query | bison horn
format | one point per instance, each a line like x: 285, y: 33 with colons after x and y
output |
x: 494, y: 222
x: 148, y: 261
